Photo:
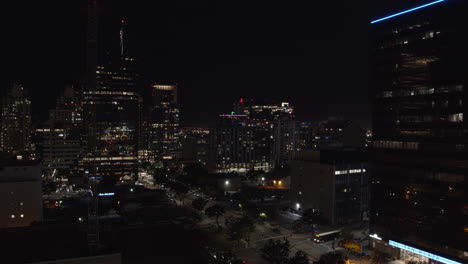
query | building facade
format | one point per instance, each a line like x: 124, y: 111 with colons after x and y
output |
x: 112, y: 116
x: 419, y: 198
x: 333, y: 182
x: 20, y: 193
x: 254, y: 136
x: 195, y: 145
x: 162, y: 135
x: 16, y: 123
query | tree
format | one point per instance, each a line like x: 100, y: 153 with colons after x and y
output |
x: 199, y: 203
x: 192, y: 219
x: 226, y: 258
x: 179, y: 188
x: 194, y: 174
x: 160, y: 176
x: 276, y: 251
x: 331, y: 258
x: 241, y: 228
x: 215, y: 211
x: 379, y: 257
x: 351, y: 245
x: 300, y: 258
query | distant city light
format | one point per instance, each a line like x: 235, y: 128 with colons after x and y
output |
x: 422, y: 253
x: 226, y: 183
x: 298, y: 205
x: 406, y: 11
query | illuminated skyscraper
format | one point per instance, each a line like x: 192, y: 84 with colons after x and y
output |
x: 161, y: 124
x: 112, y: 119
x: 16, y: 123
x: 111, y: 107
x: 255, y: 136
x: 60, y: 139
x: 419, y: 204
x: 239, y: 144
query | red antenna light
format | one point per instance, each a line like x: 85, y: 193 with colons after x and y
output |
x: 123, y: 21
x: 241, y: 100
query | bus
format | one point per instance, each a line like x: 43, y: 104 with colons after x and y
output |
x: 326, y: 236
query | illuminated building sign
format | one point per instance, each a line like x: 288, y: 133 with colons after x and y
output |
x: 422, y: 253
x: 106, y: 194
x: 406, y: 11
x: 232, y: 115
x: 375, y: 236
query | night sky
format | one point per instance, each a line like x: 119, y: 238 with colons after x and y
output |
x: 314, y: 55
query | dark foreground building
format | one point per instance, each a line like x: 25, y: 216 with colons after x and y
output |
x: 419, y: 207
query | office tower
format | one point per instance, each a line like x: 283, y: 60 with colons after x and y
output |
x: 162, y: 124
x: 111, y: 107
x: 306, y: 135
x: 16, y: 123
x: 334, y: 182
x: 419, y: 186
x: 20, y: 192
x: 238, y: 145
x: 285, y: 137
x: 276, y: 128
x: 112, y: 119
x: 338, y: 133
x: 195, y: 145
x: 69, y: 109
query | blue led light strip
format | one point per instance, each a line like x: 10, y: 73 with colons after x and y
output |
x: 422, y: 253
x: 407, y: 11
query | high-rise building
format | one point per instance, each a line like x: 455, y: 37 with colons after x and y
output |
x: 419, y: 205
x: 69, y: 109
x: 111, y: 106
x: 277, y: 128
x: 338, y: 133
x: 306, y: 135
x: 239, y: 144
x: 60, y: 139
x: 112, y: 113
x: 16, y: 123
x: 195, y: 145
x: 161, y: 125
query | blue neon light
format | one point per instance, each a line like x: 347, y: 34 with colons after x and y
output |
x: 422, y: 253
x: 407, y: 11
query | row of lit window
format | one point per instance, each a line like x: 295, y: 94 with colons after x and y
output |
x: 352, y: 171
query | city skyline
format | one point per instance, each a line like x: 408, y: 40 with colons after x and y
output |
x: 296, y: 58
x: 204, y: 132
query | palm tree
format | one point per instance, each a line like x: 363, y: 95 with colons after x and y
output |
x: 215, y: 211
x: 300, y: 258
x: 276, y: 251
x: 199, y: 204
